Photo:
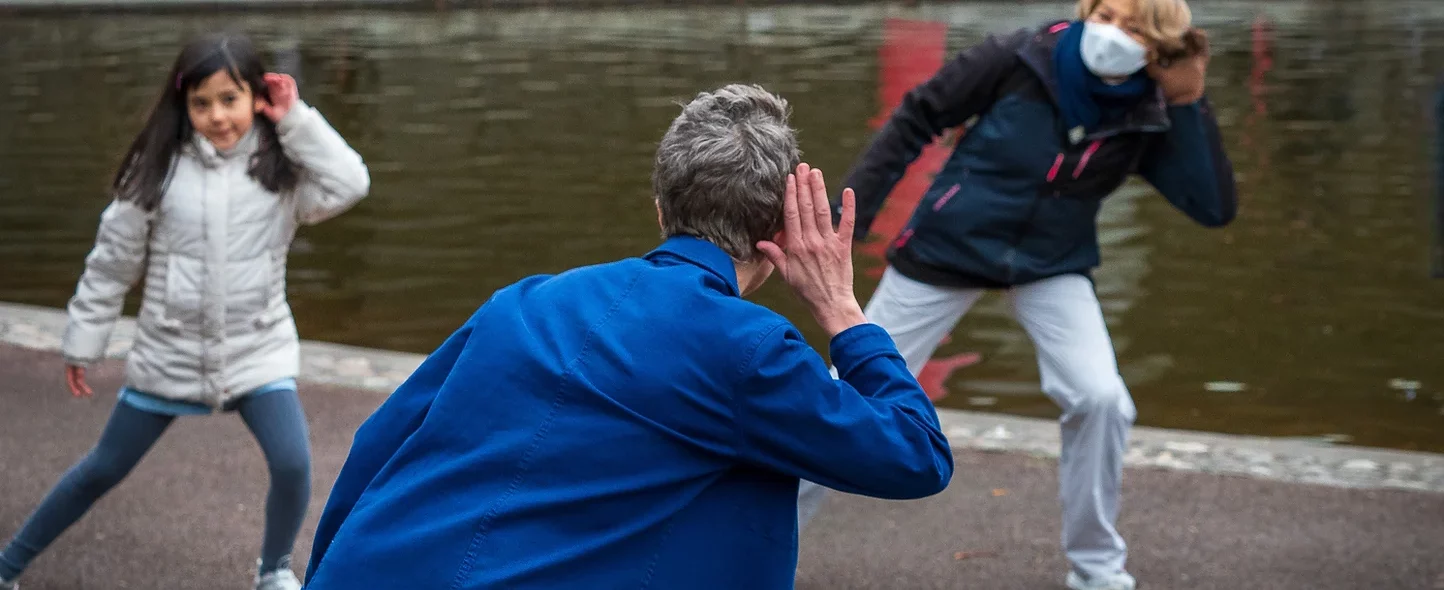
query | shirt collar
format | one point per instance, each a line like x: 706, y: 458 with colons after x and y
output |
x: 704, y: 254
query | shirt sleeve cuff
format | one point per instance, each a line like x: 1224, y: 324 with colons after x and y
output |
x: 1192, y: 109
x: 859, y: 344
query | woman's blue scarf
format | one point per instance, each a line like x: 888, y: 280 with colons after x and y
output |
x: 1085, y: 99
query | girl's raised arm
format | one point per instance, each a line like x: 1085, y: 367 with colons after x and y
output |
x: 333, y: 176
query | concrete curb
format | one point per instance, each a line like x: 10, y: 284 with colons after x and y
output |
x: 40, y: 328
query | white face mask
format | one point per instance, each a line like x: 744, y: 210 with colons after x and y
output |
x: 1110, y: 52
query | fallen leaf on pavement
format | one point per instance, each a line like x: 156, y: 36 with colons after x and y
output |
x: 961, y: 555
x: 999, y: 492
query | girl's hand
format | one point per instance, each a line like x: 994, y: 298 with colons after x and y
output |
x: 1182, y: 77
x: 75, y: 378
x: 283, y: 94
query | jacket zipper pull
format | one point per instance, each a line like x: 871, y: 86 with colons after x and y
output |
x: 1057, y: 163
x: 1088, y: 154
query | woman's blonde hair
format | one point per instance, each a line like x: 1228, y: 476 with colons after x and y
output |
x: 1164, y: 22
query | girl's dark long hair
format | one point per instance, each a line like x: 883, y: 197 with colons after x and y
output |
x: 146, y: 169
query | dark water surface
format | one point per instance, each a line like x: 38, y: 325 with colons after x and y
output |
x: 506, y: 143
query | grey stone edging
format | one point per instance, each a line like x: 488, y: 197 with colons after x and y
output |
x: 1280, y: 459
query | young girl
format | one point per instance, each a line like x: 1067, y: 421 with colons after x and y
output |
x: 1064, y: 114
x: 206, y: 202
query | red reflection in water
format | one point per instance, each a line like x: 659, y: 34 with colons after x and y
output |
x: 935, y: 374
x: 911, y: 52
x: 1263, y: 62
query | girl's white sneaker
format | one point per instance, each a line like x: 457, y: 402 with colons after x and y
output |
x: 281, y: 579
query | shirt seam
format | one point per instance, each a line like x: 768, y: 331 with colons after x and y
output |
x: 474, y: 547
x: 741, y: 444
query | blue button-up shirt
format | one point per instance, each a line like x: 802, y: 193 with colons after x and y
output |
x: 635, y: 424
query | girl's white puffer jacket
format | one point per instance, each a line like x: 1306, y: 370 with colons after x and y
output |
x: 214, y: 322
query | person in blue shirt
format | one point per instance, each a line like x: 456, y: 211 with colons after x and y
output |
x: 638, y: 424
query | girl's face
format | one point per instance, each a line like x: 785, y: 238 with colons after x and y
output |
x: 1120, y: 13
x: 221, y: 109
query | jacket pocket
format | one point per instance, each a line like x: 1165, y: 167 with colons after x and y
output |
x: 184, y: 292
x: 250, y: 285
x: 1060, y: 227
x: 951, y: 192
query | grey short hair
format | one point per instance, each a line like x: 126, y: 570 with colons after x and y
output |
x: 721, y: 169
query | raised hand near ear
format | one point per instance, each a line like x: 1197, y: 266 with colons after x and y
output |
x: 814, y: 258
x: 1182, y: 78
x: 283, y: 94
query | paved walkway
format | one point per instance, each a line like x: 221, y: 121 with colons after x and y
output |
x: 1201, y: 510
x: 189, y: 517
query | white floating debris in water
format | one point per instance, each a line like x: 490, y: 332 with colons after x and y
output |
x: 982, y: 401
x: 759, y: 22
x: 1404, y: 384
x: 1224, y: 386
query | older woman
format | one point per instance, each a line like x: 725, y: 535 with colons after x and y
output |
x: 1065, y: 113
x: 639, y: 424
